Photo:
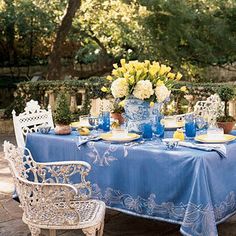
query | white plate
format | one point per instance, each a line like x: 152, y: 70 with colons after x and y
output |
x: 114, y: 138
x: 224, y: 138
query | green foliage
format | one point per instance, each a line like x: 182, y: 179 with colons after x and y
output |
x: 225, y: 119
x: 226, y: 93
x: 192, y: 34
x: 39, y: 91
x: 62, y: 114
x: 87, y: 54
x: 188, y: 35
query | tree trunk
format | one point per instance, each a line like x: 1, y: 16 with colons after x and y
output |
x: 54, y: 60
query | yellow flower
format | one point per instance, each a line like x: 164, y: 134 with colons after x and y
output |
x: 122, y: 62
x: 152, y: 104
x: 164, y: 69
x: 183, y: 89
x: 147, y: 62
x: 122, y: 103
x: 179, y: 76
x: 131, y: 80
x: 115, y: 73
x: 115, y: 66
x: 171, y: 75
x: 154, y: 69
x: 104, y: 89
x: 160, y: 83
x: 109, y: 78
x: 138, y: 73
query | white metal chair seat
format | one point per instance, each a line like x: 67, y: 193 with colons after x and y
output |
x: 30, y: 120
x: 86, y: 214
x: 48, y: 198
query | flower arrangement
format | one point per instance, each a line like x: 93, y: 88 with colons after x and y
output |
x: 150, y: 81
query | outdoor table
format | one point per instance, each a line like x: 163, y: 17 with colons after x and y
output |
x: 190, y: 187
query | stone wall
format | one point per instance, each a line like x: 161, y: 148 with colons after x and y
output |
x: 224, y: 73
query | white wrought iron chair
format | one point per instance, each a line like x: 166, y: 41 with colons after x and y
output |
x: 47, y: 197
x: 210, y: 109
x: 29, y: 120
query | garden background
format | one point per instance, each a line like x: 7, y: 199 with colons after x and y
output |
x: 70, y: 45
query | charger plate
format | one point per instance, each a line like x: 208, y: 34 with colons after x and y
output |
x: 204, y: 138
x: 114, y: 138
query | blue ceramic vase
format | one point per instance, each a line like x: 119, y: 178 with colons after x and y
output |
x: 138, y: 113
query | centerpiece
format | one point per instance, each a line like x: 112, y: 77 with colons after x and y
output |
x: 142, y: 87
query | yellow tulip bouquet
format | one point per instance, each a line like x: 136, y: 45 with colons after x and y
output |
x: 150, y: 81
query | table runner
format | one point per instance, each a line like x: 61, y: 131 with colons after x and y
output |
x: 193, y: 188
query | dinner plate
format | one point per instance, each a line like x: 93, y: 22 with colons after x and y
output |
x: 114, y: 138
x: 173, y: 125
x: 204, y: 138
x: 80, y: 124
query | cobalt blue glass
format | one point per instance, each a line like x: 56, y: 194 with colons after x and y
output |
x: 106, y: 121
x: 147, y: 131
x: 190, y: 129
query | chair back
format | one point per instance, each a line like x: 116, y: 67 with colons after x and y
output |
x: 29, y: 120
x: 23, y: 162
x: 210, y: 109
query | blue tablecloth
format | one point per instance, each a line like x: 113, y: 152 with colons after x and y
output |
x: 193, y: 188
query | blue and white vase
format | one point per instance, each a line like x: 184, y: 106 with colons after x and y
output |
x: 138, y: 113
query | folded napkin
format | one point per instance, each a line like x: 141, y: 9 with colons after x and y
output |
x: 219, y: 148
x: 82, y: 140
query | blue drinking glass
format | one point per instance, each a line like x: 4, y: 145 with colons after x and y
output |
x: 201, y: 124
x: 158, y: 126
x: 147, y: 131
x: 106, y: 121
x: 190, y: 129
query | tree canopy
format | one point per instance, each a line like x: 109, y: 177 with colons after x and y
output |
x: 187, y: 34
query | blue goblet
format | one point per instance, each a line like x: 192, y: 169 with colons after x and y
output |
x: 190, y: 127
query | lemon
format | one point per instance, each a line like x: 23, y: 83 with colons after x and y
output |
x: 179, y: 134
x: 84, y: 131
x: 115, y: 125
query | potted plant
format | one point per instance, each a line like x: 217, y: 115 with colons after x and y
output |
x: 226, y: 121
x: 62, y: 115
x: 117, y: 110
